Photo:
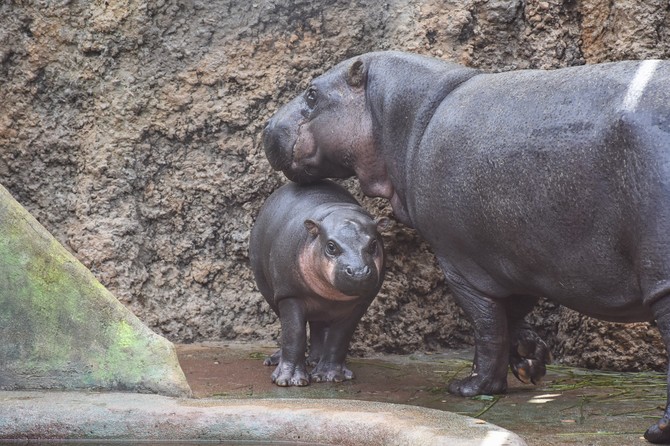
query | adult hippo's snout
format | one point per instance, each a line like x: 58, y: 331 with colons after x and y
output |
x: 289, y: 145
x: 279, y: 137
x: 289, y: 149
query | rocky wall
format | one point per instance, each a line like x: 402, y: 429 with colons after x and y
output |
x: 131, y: 130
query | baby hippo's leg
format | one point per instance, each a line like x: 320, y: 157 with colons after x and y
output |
x: 291, y: 369
x: 331, y: 366
x: 317, y: 335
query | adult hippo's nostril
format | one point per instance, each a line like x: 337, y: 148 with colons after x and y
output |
x: 349, y: 270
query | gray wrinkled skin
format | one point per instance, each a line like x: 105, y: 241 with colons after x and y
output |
x: 338, y: 235
x: 525, y: 184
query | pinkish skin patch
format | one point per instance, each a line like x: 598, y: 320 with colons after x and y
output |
x: 303, y: 148
x: 318, y: 274
x: 379, y: 263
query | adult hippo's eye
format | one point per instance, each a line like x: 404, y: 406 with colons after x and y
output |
x: 311, y: 97
x: 331, y: 248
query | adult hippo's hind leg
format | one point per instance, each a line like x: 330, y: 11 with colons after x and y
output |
x: 660, y: 432
x: 488, y: 318
x: 529, y: 354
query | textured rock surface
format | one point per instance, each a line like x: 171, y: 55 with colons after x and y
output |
x: 131, y: 130
x: 61, y: 329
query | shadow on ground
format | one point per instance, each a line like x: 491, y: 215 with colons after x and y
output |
x: 571, y: 406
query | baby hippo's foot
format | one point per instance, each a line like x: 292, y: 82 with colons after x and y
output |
x: 290, y: 374
x: 333, y: 372
x: 313, y: 359
x: 273, y: 359
x: 529, y: 356
x: 478, y: 385
x: 659, y: 432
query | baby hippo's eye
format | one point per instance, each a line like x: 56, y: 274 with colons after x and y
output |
x: 331, y: 248
x: 372, y: 247
x: 310, y: 97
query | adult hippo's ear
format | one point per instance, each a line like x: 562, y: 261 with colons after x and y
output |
x: 356, y: 74
x: 312, y: 227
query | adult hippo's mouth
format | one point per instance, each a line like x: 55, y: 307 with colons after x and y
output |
x: 288, y: 149
x: 302, y: 151
x: 278, y: 143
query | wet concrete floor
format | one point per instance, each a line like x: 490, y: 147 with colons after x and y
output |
x: 570, y: 407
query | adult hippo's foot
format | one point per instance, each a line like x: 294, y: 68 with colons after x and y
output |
x: 528, y: 356
x: 330, y: 372
x: 660, y: 432
x: 477, y: 385
x: 290, y: 374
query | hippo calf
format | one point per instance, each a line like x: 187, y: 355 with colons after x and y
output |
x: 526, y: 183
x: 318, y: 258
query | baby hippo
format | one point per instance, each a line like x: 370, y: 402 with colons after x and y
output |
x: 318, y: 258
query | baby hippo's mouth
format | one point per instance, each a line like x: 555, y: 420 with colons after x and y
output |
x: 356, y: 282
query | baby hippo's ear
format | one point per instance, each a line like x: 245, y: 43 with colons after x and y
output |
x: 356, y: 74
x: 312, y: 227
x: 384, y: 224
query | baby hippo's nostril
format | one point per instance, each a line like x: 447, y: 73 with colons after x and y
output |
x: 357, y: 272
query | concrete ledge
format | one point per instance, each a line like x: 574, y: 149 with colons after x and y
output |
x: 125, y: 416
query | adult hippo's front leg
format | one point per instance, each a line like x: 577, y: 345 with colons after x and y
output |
x: 488, y: 318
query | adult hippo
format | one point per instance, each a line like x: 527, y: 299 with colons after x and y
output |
x: 527, y: 183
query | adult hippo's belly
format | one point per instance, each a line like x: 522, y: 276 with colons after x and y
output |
x: 546, y: 188
x: 525, y: 184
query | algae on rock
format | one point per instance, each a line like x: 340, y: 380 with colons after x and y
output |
x: 61, y: 329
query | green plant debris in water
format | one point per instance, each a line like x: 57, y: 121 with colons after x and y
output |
x: 648, y: 388
x: 258, y: 355
x: 621, y: 382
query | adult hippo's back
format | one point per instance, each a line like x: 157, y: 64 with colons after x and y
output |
x: 525, y: 184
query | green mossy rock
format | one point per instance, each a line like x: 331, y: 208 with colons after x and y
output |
x: 61, y: 329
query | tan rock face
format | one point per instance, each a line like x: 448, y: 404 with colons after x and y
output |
x: 131, y: 130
